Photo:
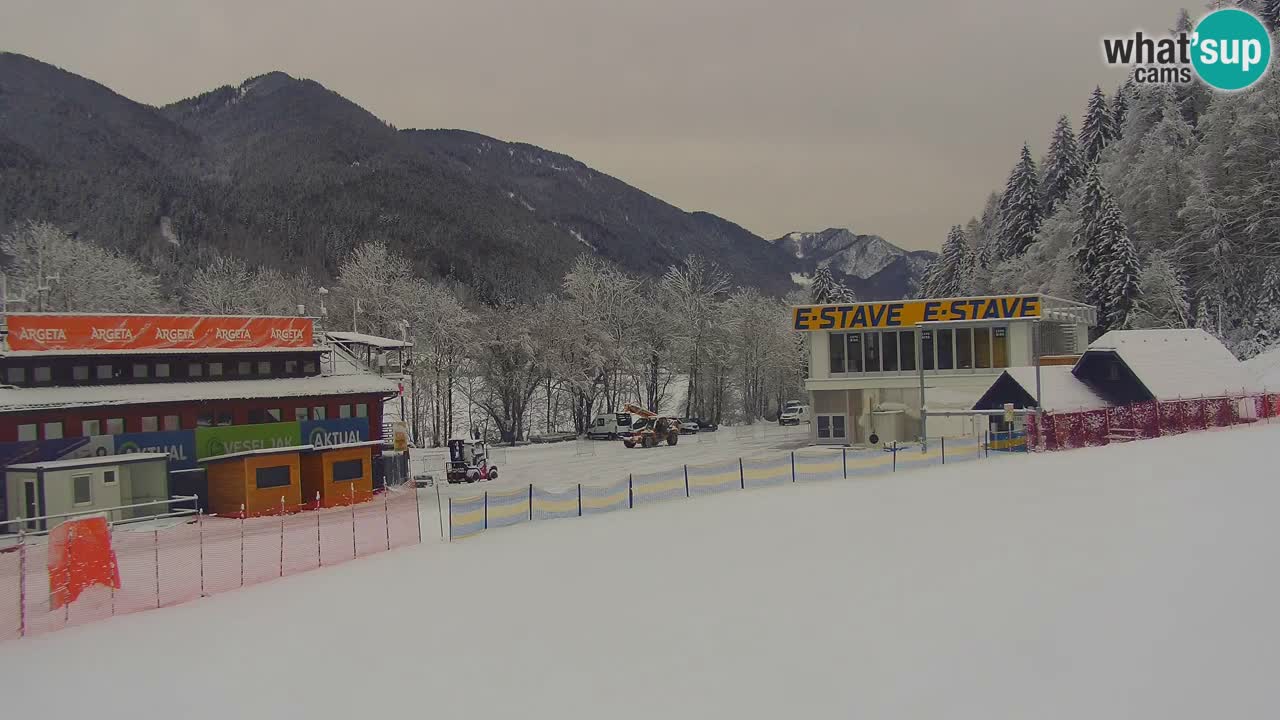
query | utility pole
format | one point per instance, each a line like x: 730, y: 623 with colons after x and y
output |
x: 355, y: 313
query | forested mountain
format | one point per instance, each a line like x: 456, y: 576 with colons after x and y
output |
x: 872, y: 267
x: 283, y: 172
x: 1163, y: 212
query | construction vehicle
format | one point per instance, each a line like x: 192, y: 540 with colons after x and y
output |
x: 649, y: 429
x: 469, y: 462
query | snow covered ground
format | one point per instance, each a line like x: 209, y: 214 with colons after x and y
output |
x: 1131, y: 581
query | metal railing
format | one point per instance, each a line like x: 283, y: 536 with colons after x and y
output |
x: 42, y: 520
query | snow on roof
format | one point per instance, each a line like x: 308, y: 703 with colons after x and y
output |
x: 16, y: 399
x: 362, y: 339
x: 1266, y: 368
x: 73, y: 463
x: 953, y: 398
x: 1176, y: 364
x: 1060, y: 390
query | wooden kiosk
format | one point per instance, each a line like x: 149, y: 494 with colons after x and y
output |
x: 338, y: 474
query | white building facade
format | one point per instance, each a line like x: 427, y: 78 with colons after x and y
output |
x: 868, y: 361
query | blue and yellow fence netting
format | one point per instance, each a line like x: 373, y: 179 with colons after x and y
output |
x: 466, y: 516
x: 658, y: 487
x: 602, y: 499
x: 819, y: 465
x: 869, y: 462
x: 508, y: 507
x: 711, y: 479
x: 550, y: 504
x: 765, y: 472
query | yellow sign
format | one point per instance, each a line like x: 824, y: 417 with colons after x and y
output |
x: 905, y: 313
x: 400, y: 436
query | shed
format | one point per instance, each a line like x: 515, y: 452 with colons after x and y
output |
x: 338, y: 474
x: 1127, y: 366
x: 87, y: 485
x: 259, y: 480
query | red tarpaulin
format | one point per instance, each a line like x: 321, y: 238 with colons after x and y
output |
x: 80, y: 556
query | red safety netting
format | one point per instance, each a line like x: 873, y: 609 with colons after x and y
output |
x: 175, y: 564
x: 1061, y: 431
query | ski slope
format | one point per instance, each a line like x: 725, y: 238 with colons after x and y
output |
x: 1131, y: 581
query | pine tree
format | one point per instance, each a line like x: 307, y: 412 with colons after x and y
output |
x: 1120, y: 106
x: 950, y: 272
x: 1098, y: 128
x: 1088, y: 240
x: 1162, y: 295
x: 1118, y: 266
x: 1020, y: 211
x: 1063, y: 169
x: 827, y: 290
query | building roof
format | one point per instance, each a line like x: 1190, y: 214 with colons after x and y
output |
x: 1266, y: 368
x: 257, y: 451
x: 373, y: 340
x: 1060, y: 389
x: 156, y: 351
x: 73, y: 463
x: 1175, y: 364
x: 18, y: 399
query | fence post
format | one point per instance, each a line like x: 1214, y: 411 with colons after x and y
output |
x: 351, y: 492
x: 631, y: 493
x: 386, y: 512
x: 579, y: 499
x: 486, y: 509
x: 281, y: 536
x: 530, y: 502
x: 686, y: 481
x: 200, y: 532
x: 943, y: 442
x: 793, y: 466
x: 156, y: 541
x: 241, y: 544
x: 844, y: 463
x: 22, y: 581
x: 895, y: 456
x: 986, y: 443
x: 742, y: 474
x: 450, y: 519
x: 439, y: 512
x: 319, y: 556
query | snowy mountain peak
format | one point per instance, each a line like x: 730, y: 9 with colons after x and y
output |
x: 872, y: 266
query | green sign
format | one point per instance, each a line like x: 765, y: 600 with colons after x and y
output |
x: 214, y: 441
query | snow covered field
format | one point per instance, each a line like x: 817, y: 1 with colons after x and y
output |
x: 1131, y: 581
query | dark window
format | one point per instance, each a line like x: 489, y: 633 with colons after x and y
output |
x: 15, y: 375
x: 945, y: 349
x: 141, y: 371
x: 162, y: 370
x: 104, y: 372
x: 204, y: 419
x: 871, y: 352
x: 224, y: 417
x: 257, y: 415
x: 82, y: 487
x: 889, y: 346
x: 215, y: 369
x: 275, y: 476
x: 290, y: 367
x: 836, y: 350
x: 964, y: 348
x: 317, y: 413
x: 309, y: 367
x: 300, y: 413
x: 275, y: 415
x: 108, y: 477
x: 264, y: 367
x: 80, y: 372
x: 346, y: 470
x: 195, y: 370
x: 245, y: 367
x: 42, y: 374
x: 854, y: 351
x: 982, y: 347
x: 1000, y: 347
x: 926, y: 349
x: 907, y: 350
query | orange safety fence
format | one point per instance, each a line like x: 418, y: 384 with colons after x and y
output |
x: 66, y: 578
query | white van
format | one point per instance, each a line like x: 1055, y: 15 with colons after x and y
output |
x: 610, y: 426
x: 793, y: 413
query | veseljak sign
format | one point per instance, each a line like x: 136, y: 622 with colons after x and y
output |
x: 31, y: 331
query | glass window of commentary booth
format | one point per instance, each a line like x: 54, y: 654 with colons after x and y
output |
x: 894, y: 351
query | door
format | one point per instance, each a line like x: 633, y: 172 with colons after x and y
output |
x: 29, y: 493
x: 832, y: 428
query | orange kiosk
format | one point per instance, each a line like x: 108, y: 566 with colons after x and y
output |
x: 256, y: 480
x: 338, y: 474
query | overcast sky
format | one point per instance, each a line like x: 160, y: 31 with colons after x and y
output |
x: 893, y: 118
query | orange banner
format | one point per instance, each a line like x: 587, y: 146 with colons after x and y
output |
x: 155, y: 332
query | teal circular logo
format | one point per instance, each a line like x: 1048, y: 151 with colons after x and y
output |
x: 1231, y: 49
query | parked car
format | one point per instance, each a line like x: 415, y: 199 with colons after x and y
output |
x: 689, y: 426
x: 610, y: 426
x: 794, y: 414
x: 705, y: 425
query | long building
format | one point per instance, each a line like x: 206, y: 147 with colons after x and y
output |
x: 192, y: 386
x: 868, y: 361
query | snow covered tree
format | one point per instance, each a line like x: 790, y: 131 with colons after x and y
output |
x: 1120, y: 106
x: 1162, y: 295
x: 1155, y: 188
x: 949, y: 273
x: 694, y: 290
x: 1020, y: 208
x: 376, y: 291
x: 1271, y: 14
x: 1087, y: 243
x: 226, y: 286
x: 1118, y: 267
x: 825, y: 289
x: 55, y: 272
x: 1063, y: 168
x: 1098, y: 127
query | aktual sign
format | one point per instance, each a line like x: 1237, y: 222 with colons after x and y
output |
x: 155, y: 332
x: 339, y: 431
x: 906, y: 313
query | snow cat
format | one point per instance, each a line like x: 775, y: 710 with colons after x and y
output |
x: 649, y: 429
